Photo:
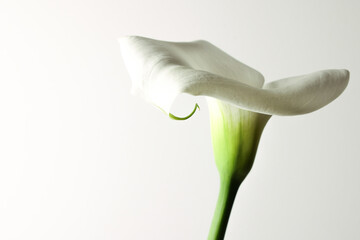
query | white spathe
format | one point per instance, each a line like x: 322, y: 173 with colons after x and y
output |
x: 161, y: 70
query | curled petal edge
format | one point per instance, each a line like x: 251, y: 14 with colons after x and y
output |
x: 162, y: 70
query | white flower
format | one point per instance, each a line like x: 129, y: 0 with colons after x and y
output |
x: 239, y: 102
x: 161, y: 70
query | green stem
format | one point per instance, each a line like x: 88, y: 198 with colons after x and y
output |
x: 227, y: 194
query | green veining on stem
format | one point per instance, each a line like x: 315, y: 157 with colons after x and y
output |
x: 235, y: 137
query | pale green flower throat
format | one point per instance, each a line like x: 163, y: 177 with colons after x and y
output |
x: 235, y: 137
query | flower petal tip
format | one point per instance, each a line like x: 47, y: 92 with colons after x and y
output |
x: 122, y: 40
x: 346, y: 74
x: 172, y: 116
x: 125, y: 38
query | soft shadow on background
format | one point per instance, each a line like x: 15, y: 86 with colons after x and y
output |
x: 80, y: 158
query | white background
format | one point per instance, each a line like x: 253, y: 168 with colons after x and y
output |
x: 80, y: 158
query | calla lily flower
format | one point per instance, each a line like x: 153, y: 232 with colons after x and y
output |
x: 240, y: 103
